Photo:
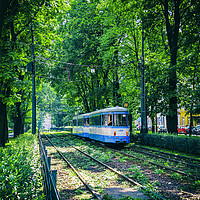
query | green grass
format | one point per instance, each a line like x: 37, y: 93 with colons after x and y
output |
x: 176, y: 176
x: 159, y: 171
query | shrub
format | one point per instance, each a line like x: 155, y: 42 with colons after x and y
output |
x: 19, y: 169
x: 170, y: 142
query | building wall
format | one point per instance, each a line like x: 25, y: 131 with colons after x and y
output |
x: 185, y: 118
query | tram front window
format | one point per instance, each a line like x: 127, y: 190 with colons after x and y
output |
x: 120, y: 120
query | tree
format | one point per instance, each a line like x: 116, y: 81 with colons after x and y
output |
x: 15, y: 21
x: 167, y: 18
x: 81, y: 42
x: 20, y: 109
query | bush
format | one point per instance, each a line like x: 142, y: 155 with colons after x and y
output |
x: 170, y: 142
x: 19, y: 169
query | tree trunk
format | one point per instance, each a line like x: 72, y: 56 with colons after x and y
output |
x: 153, y: 128
x: 4, y: 4
x: 191, y: 124
x: 22, y: 126
x: 18, y: 121
x: 156, y: 124
x: 172, y: 35
x: 3, y: 124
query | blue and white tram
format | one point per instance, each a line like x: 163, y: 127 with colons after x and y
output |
x: 81, y: 125
x: 109, y: 125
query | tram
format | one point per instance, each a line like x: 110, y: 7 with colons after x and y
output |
x: 109, y: 125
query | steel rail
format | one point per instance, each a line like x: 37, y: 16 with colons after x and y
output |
x: 117, y: 172
x: 77, y: 173
x: 46, y: 170
x: 169, y: 154
x: 173, y: 160
x: 153, y: 163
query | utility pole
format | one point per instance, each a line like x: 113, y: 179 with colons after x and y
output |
x: 33, y: 86
x: 144, y: 128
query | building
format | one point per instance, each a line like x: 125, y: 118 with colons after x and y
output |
x: 184, y: 118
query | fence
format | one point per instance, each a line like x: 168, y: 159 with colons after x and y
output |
x: 170, y: 142
x: 49, y: 176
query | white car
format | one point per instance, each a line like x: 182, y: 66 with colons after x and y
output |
x: 161, y: 128
x: 196, y: 130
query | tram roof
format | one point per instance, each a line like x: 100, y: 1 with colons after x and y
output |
x: 81, y: 115
x: 112, y: 109
x: 105, y: 110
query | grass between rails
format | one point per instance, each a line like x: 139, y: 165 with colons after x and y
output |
x: 20, y: 176
x: 133, y: 171
x: 170, y: 151
x: 107, y: 157
x: 166, y: 163
x: 96, y: 175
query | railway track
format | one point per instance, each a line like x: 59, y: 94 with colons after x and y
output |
x: 74, y: 169
x: 131, y: 181
x: 184, y: 168
x: 194, y: 164
x: 191, y: 179
x: 191, y: 161
x: 194, y: 173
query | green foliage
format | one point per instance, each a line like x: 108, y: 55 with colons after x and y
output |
x: 196, y: 184
x: 137, y: 174
x: 159, y: 171
x: 176, y: 176
x: 48, y: 102
x: 19, y: 169
x: 171, y: 142
x: 106, y: 34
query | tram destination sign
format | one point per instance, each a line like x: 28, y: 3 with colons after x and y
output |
x: 125, y: 105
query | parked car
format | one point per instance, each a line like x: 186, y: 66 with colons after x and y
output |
x: 188, y: 129
x: 162, y: 129
x: 181, y: 130
x: 149, y: 128
x: 138, y: 127
x: 196, y: 130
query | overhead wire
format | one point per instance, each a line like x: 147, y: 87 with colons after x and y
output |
x: 51, y: 77
x: 83, y: 65
x: 73, y: 64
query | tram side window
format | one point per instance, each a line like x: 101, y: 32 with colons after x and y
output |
x: 85, y: 121
x: 104, y: 120
x: 74, y: 122
x: 95, y: 120
x: 109, y: 119
x: 120, y: 120
x: 92, y: 121
x: 99, y: 120
x: 80, y: 122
